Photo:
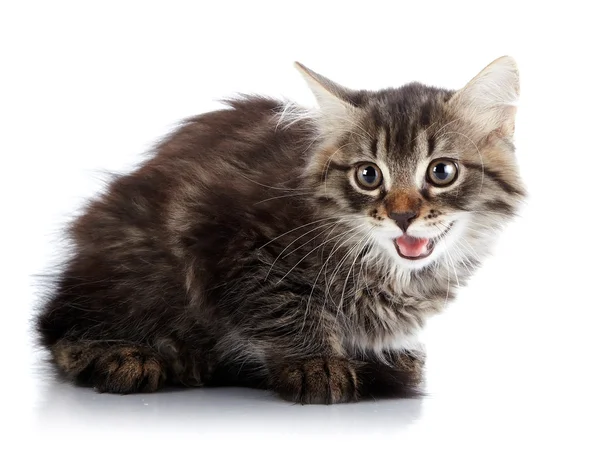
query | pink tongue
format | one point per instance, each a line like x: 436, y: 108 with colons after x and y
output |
x: 411, y: 246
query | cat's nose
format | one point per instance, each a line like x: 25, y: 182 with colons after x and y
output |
x: 403, y: 219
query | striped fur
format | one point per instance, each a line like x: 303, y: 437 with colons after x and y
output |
x: 244, y: 252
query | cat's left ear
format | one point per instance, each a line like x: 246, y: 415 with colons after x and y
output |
x: 338, y: 104
x: 489, y: 100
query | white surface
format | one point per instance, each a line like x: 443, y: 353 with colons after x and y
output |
x: 513, y: 363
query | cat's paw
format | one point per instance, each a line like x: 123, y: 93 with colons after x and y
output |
x: 318, y: 381
x: 128, y: 370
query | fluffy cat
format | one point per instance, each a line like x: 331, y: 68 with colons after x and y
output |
x: 276, y: 247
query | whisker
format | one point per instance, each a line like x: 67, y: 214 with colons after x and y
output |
x: 298, y: 238
x: 339, y: 265
x: 356, y: 125
x: 471, y: 250
x: 448, y: 289
x: 447, y: 260
x: 362, y: 262
x: 351, y: 267
x: 447, y: 124
x: 314, y: 238
x: 314, y: 249
x: 311, y: 144
x: 282, y: 196
x: 295, y: 229
x: 491, y: 212
x: 272, y: 187
x: 479, y: 231
x: 331, y: 253
x: 424, y: 132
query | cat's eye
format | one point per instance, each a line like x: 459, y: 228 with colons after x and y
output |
x: 442, y: 172
x: 368, y: 176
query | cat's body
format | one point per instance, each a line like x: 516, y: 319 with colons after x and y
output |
x: 243, y: 252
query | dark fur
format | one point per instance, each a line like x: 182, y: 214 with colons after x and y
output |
x: 204, y: 266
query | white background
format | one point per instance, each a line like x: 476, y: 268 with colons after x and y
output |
x: 89, y: 86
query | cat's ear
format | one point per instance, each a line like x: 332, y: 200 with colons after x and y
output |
x: 489, y: 100
x: 337, y: 103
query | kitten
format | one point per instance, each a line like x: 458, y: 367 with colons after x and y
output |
x: 301, y: 251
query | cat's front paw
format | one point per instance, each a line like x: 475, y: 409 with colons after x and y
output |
x: 318, y: 381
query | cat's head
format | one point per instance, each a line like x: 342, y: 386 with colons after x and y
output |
x: 423, y: 174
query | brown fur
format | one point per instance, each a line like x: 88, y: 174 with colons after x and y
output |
x: 242, y: 252
x: 400, y: 200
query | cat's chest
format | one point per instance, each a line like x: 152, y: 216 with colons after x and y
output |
x: 390, y: 314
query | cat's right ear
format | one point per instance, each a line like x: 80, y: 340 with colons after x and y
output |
x: 337, y: 103
x: 489, y: 101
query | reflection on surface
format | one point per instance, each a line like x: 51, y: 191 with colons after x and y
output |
x: 209, y: 410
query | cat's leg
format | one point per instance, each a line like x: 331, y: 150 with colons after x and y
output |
x: 399, y: 374
x: 110, y: 367
x: 317, y: 380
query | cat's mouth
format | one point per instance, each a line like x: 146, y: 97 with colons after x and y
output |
x: 415, y: 248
